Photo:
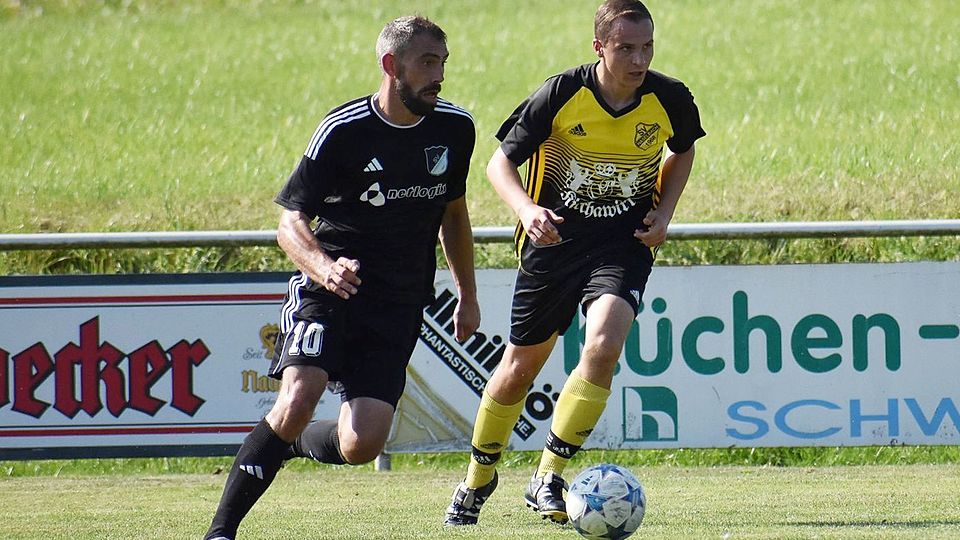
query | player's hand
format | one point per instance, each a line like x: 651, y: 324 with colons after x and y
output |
x: 655, y: 230
x: 340, y: 277
x: 466, y: 319
x: 538, y: 222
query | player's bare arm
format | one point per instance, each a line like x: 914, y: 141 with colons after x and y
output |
x: 456, y: 239
x: 297, y: 240
x: 676, y: 171
x: 537, y: 221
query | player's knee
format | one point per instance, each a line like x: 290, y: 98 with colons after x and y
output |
x: 515, y: 375
x: 602, y: 351
x: 359, y: 450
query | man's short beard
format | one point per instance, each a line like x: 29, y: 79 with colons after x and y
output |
x: 409, y: 97
x: 412, y: 101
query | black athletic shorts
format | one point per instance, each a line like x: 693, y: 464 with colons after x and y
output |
x: 363, y: 344
x: 545, y: 302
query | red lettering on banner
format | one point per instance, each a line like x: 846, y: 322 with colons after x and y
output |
x: 89, y: 356
x: 99, y: 367
x: 30, y: 368
x: 184, y: 356
x: 4, y: 392
x: 147, y: 365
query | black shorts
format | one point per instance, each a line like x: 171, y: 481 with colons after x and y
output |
x: 364, y: 345
x: 545, y: 303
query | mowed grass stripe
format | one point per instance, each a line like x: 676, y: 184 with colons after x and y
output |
x: 912, y: 501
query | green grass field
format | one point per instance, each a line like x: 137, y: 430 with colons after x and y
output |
x: 134, y: 116
x: 322, y: 502
x: 161, y: 115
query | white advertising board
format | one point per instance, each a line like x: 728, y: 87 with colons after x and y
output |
x: 720, y: 356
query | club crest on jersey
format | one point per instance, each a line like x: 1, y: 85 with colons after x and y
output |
x: 646, y: 135
x: 437, y: 159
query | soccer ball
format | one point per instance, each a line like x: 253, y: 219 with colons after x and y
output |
x: 606, y: 502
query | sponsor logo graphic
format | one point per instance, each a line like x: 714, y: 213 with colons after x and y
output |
x: 437, y: 159
x: 418, y: 192
x: 815, y: 419
x: 473, y: 361
x: 578, y: 131
x: 104, y: 376
x: 254, y: 381
x: 268, y: 337
x: 373, y: 195
x: 601, y: 189
x: 714, y: 344
x: 646, y: 135
x: 373, y: 166
x: 649, y: 414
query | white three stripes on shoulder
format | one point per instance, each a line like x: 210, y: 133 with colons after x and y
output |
x: 447, y: 107
x: 343, y: 116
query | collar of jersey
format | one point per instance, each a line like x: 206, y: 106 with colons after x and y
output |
x: 376, y: 111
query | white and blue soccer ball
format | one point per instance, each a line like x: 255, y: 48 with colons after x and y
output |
x: 606, y: 502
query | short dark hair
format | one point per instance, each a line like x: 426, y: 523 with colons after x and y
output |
x: 611, y: 10
x: 397, y: 36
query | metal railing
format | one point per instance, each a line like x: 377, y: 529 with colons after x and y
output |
x: 486, y: 235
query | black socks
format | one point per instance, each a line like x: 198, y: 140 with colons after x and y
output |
x: 319, y: 442
x: 253, y: 470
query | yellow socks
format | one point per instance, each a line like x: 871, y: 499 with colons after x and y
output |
x: 578, y: 409
x: 491, y: 432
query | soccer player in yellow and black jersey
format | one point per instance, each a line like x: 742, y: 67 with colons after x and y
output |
x: 597, y: 198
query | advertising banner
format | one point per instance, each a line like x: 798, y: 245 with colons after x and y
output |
x: 794, y: 355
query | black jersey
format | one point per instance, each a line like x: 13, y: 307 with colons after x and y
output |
x: 379, y: 191
x: 597, y: 168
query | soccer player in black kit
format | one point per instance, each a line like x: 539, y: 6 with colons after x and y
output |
x: 382, y: 176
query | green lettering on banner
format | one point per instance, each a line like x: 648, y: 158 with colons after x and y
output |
x: 743, y: 325
x: 815, y: 341
x: 688, y: 345
x: 572, y: 339
x: 802, y: 342
x: 661, y: 360
x: 891, y: 340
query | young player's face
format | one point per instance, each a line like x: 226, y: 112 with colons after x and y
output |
x: 419, y: 74
x: 627, y: 52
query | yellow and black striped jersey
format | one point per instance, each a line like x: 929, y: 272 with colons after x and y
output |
x: 597, y: 168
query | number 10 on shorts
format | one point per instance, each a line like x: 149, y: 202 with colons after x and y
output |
x: 307, y: 339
